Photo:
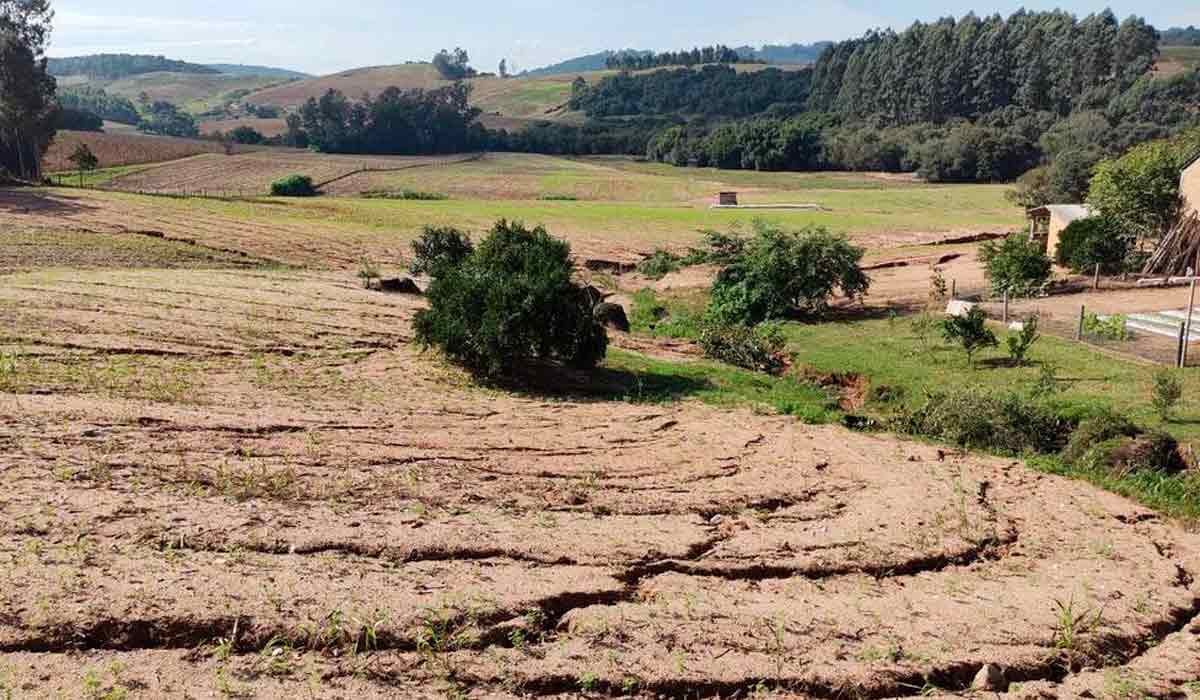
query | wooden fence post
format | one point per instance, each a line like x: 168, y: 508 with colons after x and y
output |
x: 1096, y: 279
x: 1082, y: 315
x: 1179, y: 350
x: 953, y: 289
x: 1005, y: 307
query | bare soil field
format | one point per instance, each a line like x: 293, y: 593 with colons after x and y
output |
x: 251, y: 483
x: 116, y: 149
x: 254, y: 172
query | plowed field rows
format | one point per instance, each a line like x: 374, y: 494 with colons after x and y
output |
x: 252, y: 484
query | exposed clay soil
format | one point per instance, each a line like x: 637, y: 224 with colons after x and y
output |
x: 252, y: 484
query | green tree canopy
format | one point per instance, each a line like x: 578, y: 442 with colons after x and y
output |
x: 1139, y: 191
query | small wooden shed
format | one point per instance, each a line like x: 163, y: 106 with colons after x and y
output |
x: 728, y: 199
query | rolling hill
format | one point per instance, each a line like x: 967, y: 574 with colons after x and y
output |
x: 261, y: 71
x: 505, y: 101
x: 194, y: 92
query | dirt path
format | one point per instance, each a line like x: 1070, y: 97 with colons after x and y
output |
x: 236, y: 483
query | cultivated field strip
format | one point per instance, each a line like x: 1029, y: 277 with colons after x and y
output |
x: 253, y: 173
x: 252, y: 482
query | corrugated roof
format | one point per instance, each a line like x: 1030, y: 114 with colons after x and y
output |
x: 1068, y: 212
x: 1191, y: 163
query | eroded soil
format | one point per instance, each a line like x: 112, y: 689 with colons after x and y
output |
x: 253, y: 484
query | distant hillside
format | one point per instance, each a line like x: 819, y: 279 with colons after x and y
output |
x: 114, y: 66
x: 783, y: 55
x: 352, y: 83
x: 260, y: 71
x: 581, y: 64
x: 507, y: 102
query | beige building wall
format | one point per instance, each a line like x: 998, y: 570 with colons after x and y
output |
x: 1057, y: 223
x: 1190, y: 186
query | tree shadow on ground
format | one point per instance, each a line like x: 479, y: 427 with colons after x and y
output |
x: 852, y: 312
x: 32, y: 200
x: 550, y: 380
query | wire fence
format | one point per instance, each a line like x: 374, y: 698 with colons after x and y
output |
x: 1159, y: 343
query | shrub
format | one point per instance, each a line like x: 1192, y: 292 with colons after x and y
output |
x: 970, y: 331
x: 511, y: 300
x: 1102, y: 427
x: 660, y: 264
x: 1110, y: 328
x: 1153, y: 451
x: 368, y: 272
x: 246, y: 135
x: 1021, y: 341
x: 779, y: 272
x: 1166, y: 393
x: 1001, y: 422
x: 1016, y: 264
x: 439, y: 247
x: 412, y: 195
x: 293, y: 186
x: 759, y: 348
x: 1087, y: 243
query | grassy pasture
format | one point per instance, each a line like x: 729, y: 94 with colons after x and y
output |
x: 604, y: 207
x: 1176, y: 59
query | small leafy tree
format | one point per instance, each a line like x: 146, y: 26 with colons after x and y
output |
x: 1021, y: 341
x: 1140, y: 190
x: 438, y: 248
x: 1166, y: 393
x: 778, y: 272
x: 970, y: 331
x: 293, y: 186
x: 84, y: 160
x: 1016, y: 264
x: 1094, y: 241
x: 510, y: 300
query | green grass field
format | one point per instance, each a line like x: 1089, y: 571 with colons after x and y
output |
x: 891, y: 355
x: 98, y: 177
x: 637, y: 226
x: 1178, y: 58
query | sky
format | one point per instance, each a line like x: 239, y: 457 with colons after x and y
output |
x: 312, y: 37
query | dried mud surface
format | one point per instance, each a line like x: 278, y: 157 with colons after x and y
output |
x: 252, y: 484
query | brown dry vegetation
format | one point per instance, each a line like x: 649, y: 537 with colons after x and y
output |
x: 115, y: 149
x: 253, y: 172
x: 251, y: 483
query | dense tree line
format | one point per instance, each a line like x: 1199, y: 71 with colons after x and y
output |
x: 28, y: 111
x: 776, y: 54
x: 711, y: 90
x: 165, y: 119
x: 77, y: 120
x: 109, y: 66
x: 113, y: 108
x: 999, y: 146
x: 1037, y: 61
x: 638, y: 60
x: 398, y: 122
x: 1181, y: 36
x: 453, y: 65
